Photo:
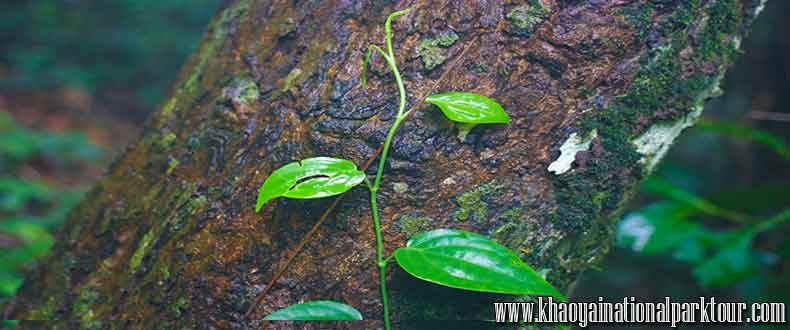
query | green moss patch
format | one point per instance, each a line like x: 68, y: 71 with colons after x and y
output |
x: 432, y: 50
x: 664, y: 86
x: 142, y: 249
x: 473, y: 203
x: 525, y: 19
x: 640, y: 17
x: 411, y: 224
x: 242, y: 92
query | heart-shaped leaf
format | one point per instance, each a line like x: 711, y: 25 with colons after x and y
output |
x: 469, y: 108
x: 469, y: 261
x: 310, y: 178
x: 319, y: 310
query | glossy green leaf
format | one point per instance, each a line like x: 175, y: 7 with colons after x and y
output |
x: 310, y: 178
x: 469, y: 261
x: 319, y: 310
x: 469, y: 108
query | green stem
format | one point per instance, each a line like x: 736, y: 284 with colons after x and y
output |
x: 379, y: 260
x: 773, y: 221
x: 389, y: 56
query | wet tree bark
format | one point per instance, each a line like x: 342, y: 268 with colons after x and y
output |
x: 597, y: 91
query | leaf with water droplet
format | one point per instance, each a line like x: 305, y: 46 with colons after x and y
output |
x: 310, y: 178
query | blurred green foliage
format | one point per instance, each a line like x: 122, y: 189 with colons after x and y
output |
x: 731, y: 238
x: 673, y: 226
x: 106, y: 47
x: 747, y: 133
x: 695, y: 232
x: 31, y: 210
x: 125, y: 53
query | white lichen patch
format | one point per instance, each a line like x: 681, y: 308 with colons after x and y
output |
x: 655, y: 143
x: 568, y: 150
x: 449, y: 181
x: 760, y: 7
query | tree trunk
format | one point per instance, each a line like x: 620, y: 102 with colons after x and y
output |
x: 597, y: 90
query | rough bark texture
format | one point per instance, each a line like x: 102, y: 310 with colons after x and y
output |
x: 169, y: 237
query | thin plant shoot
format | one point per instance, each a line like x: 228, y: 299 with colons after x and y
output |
x: 432, y: 256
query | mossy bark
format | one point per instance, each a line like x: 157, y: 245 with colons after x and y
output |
x: 169, y: 238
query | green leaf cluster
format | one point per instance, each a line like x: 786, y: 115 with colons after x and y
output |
x: 674, y: 226
x: 717, y: 236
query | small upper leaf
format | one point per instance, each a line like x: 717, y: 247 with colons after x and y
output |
x: 469, y: 108
x: 465, y: 260
x: 319, y: 310
x: 310, y: 178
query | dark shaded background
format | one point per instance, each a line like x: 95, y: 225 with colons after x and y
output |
x: 78, y: 78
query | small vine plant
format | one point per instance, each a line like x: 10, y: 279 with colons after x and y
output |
x: 449, y: 257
